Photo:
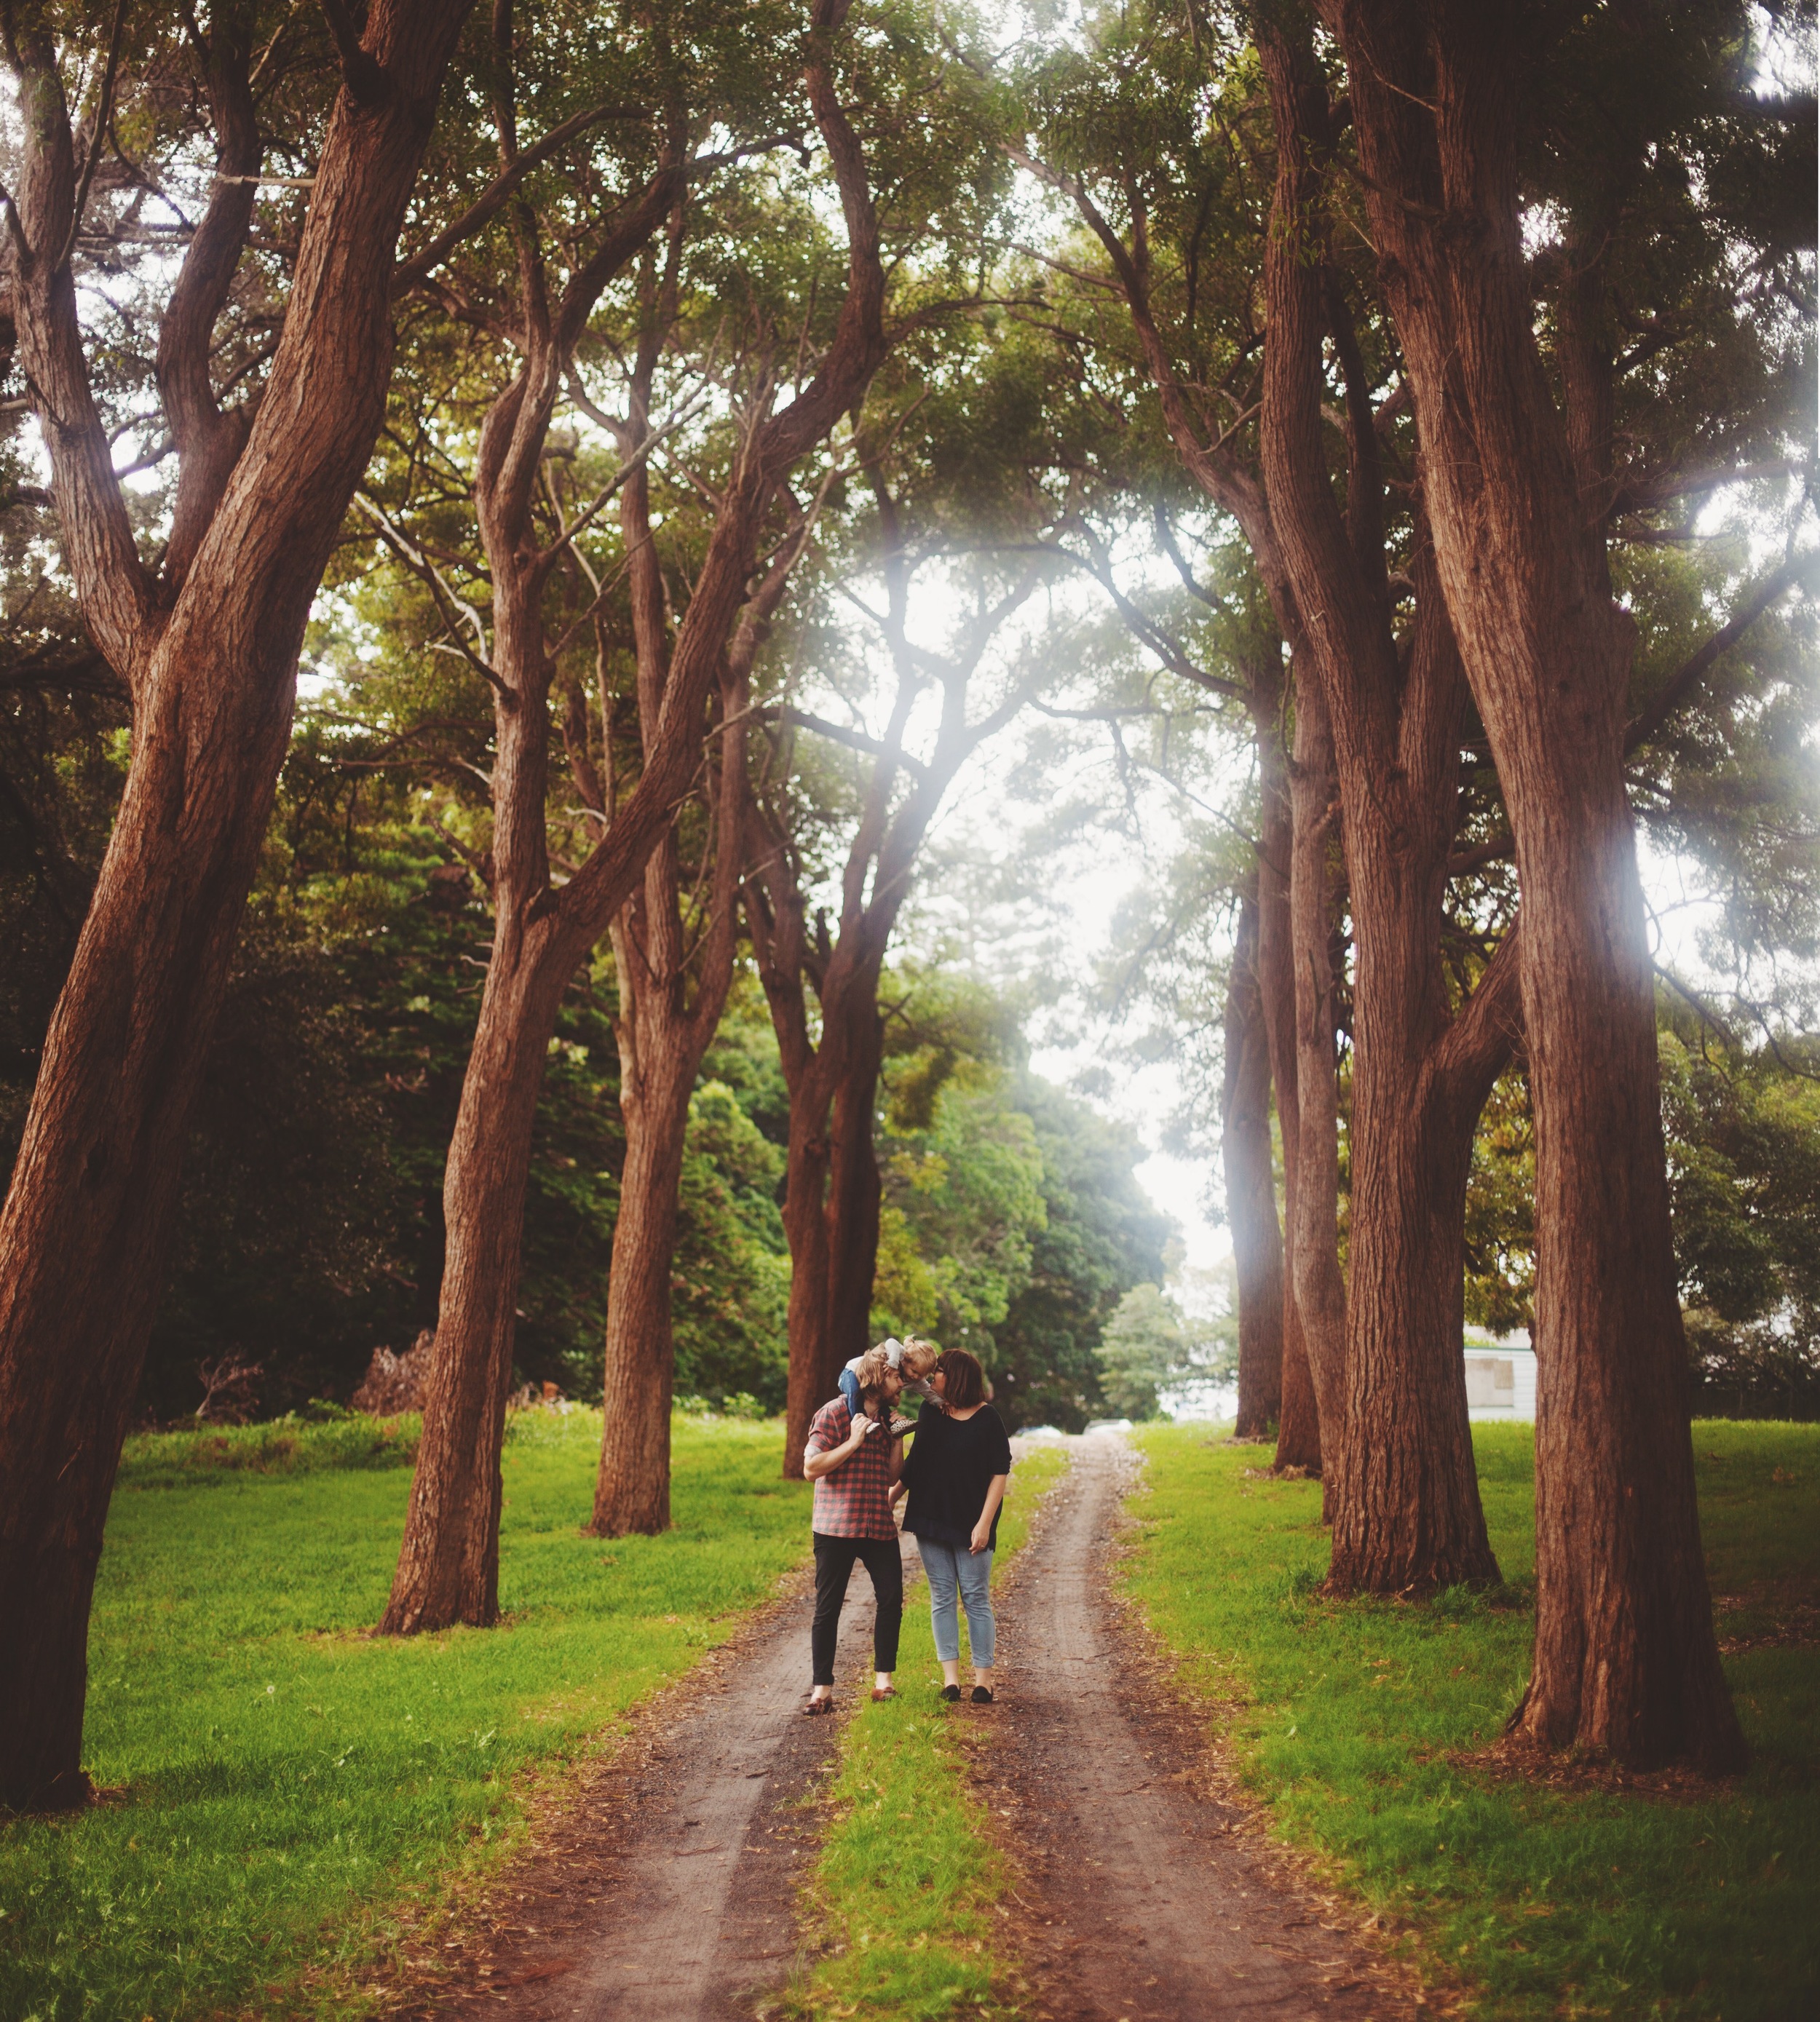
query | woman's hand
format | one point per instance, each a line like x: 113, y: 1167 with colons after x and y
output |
x: 982, y: 1530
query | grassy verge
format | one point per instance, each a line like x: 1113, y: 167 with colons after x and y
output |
x: 901, y: 1900
x: 288, y: 1784
x: 276, y: 1446
x: 1700, y: 1902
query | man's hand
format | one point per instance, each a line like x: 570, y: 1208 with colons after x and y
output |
x: 815, y: 1465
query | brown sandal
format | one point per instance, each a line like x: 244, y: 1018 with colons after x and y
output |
x: 818, y: 1705
x: 888, y: 1692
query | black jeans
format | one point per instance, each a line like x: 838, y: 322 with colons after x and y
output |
x: 834, y: 1566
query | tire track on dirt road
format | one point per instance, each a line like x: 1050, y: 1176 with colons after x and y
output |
x: 1142, y: 1904
x: 668, y: 1891
x: 665, y: 1889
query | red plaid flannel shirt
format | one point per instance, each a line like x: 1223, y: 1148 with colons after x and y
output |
x: 854, y: 1500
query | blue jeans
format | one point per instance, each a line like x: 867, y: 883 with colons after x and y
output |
x: 850, y: 1389
x: 949, y: 1567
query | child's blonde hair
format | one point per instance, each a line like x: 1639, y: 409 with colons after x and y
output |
x: 920, y: 1357
x: 874, y: 1368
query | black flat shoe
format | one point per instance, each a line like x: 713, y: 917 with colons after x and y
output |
x: 951, y: 1693
x: 982, y: 1695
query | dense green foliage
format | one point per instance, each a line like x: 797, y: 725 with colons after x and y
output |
x: 311, y: 1230
x: 288, y: 1789
x: 1150, y: 1348
x: 1362, y: 1724
x: 1012, y: 1226
x: 1100, y: 1235
x: 1744, y: 1170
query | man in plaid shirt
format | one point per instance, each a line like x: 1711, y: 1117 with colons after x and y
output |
x: 854, y: 1462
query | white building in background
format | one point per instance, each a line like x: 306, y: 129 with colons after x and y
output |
x: 1501, y: 1380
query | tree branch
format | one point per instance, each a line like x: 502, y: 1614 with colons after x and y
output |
x: 1500, y: 849
x: 1682, y: 685
x: 1486, y: 1034
x: 366, y: 82
x: 601, y: 498
x: 97, y: 139
x: 487, y: 205
x: 855, y: 740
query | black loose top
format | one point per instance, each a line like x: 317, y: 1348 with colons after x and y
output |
x: 948, y: 1469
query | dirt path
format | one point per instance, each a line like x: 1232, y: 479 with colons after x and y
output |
x: 668, y: 1894
x: 666, y: 1891
x: 1141, y: 1898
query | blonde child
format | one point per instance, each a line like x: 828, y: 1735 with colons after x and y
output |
x: 913, y: 1361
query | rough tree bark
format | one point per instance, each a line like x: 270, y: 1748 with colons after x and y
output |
x: 855, y: 1191
x: 1298, y: 1427
x: 1315, y: 877
x: 208, y: 648
x: 1404, y: 1501
x: 662, y: 1039
x: 1250, y: 1187
x: 1626, y: 1661
x: 448, y: 1559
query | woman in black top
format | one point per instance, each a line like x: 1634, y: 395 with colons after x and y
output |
x: 959, y: 1465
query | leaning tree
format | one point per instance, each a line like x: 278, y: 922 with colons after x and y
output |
x: 274, y: 348
x: 674, y: 946
x: 545, y: 924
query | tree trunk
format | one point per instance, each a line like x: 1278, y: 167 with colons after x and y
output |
x: 1403, y: 1503
x: 1626, y: 1661
x: 854, y: 1189
x: 814, y: 1367
x: 1251, y: 1189
x: 85, y: 1230
x: 1214, y: 465
x: 1315, y: 1249
x: 1298, y: 1429
x: 662, y: 1037
x: 831, y: 1198
x: 448, y: 1560
x: 663, y: 1041
x: 831, y: 1206
x: 632, y: 1492
x: 1410, y: 1520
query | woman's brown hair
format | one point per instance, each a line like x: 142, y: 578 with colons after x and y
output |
x: 965, y: 1382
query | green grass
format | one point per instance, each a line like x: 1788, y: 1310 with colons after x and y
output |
x: 276, y: 1446
x: 289, y: 1785
x: 902, y: 1897
x: 1542, y: 1901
